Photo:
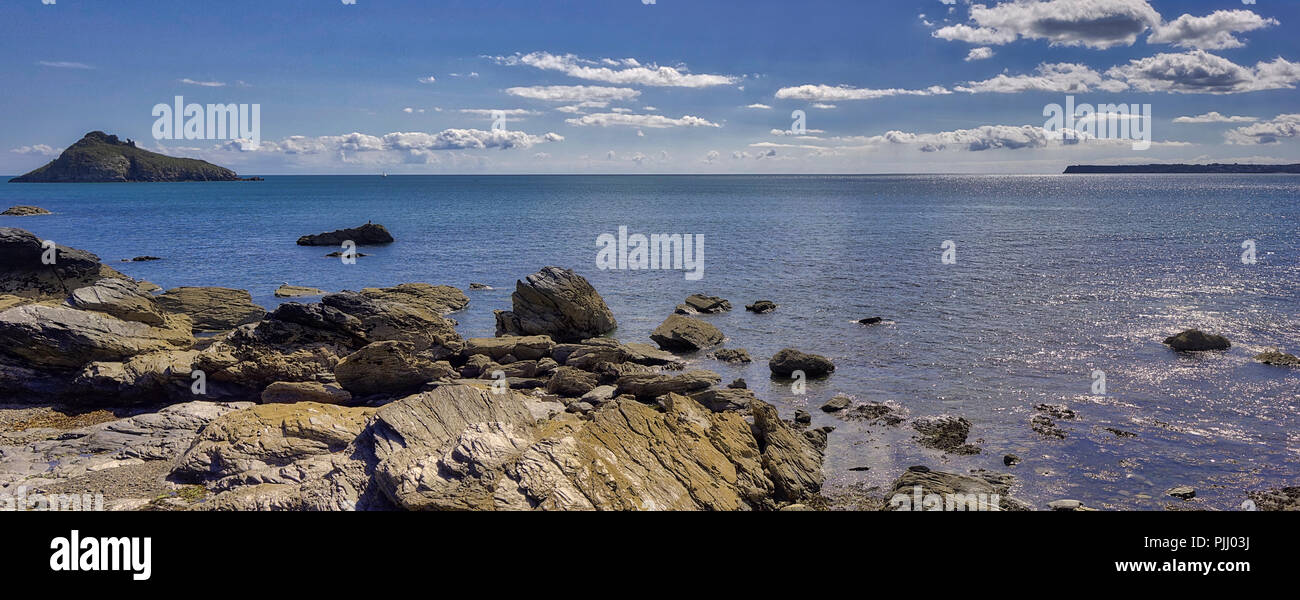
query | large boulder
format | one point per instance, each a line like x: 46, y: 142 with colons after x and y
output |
x: 1194, y: 340
x: 212, y: 308
x: 389, y: 368
x: 527, y: 347
x: 789, y: 360
x: 151, y: 377
x: 121, y: 298
x: 685, y: 334
x: 366, y: 235
x: 648, y: 386
x: 559, y: 303
x: 61, y: 336
x: 23, y: 274
x: 400, y: 316
x: 571, y: 382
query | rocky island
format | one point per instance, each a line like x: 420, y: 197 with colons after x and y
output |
x: 1241, y: 169
x: 102, y: 158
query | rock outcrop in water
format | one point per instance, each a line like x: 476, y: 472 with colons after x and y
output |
x: 558, y: 303
x: 1194, y: 340
x: 789, y: 360
x: 102, y: 158
x: 24, y: 211
x: 370, y: 234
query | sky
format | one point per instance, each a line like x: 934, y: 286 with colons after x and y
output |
x: 659, y: 86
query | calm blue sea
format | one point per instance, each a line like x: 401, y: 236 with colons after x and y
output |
x: 1056, y: 276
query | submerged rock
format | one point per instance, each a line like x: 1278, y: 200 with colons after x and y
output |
x: 1277, y: 358
x: 1194, y: 340
x: 945, y: 432
x: 684, y: 334
x: 369, y: 234
x: 789, y: 360
x: 761, y: 306
x: 707, y: 304
x: 871, y: 320
x: 733, y: 355
x: 559, y: 303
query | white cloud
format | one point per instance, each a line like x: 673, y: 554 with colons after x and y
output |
x: 1267, y: 132
x: 1055, y: 77
x: 189, y: 81
x: 759, y: 106
x: 489, y: 112
x: 649, y: 121
x: 1211, y: 32
x: 429, y: 79
x: 627, y: 71
x: 824, y: 92
x: 574, y: 93
x: 59, y: 64
x: 1199, y: 72
x: 1215, y: 117
x: 403, y: 142
x: 37, y: 150
x: 981, y: 53
x: 1092, y: 23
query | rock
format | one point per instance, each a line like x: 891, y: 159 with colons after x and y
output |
x: 475, y: 365
x: 871, y: 320
x: 1044, y: 425
x: 145, y: 258
x: 945, y: 432
x: 438, y: 299
x: 645, y: 354
x: 293, y: 291
x: 587, y: 357
x: 1184, y: 492
x: 60, y: 336
x: 369, y: 234
x: 1119, y: 432
x: 521, y: 347
x: 648, y: 386
x: 212, y: 308
x: 255, y: 440
x: 733, y: 355
x: 789, y: 360
x: 339, y: 253
x: 1065, y: 505
x: 738, y: 384
x: 1059, y: 411
x: 600, y: 395
x: 396, y: 317
x: 921, y: 488
x: 707, y: 304
x: 719, y: 400
x: 802, y: 417
x: 580, y: 407
x: 1277, y: 358
x: 571, y: 382
x: 479, y: 286
x: 761, y: 306
x: 1277, y: 499
x: 685, y: 334
x: 119, y: 298
x: 389, y: 368
x: 685, y: 309
x: 1193, y: 340
x: 876, y: 412
x: 25, y: 211
x: 1010, y: 460
x: 290, y: 392
x: 792, y: 460
x: 559, y: 303
x: 150, y: 377
x: 102, y: 158
x: 838, y: 403
x: 24, y: 274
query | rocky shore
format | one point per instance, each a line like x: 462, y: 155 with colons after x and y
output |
x: 196, y: 398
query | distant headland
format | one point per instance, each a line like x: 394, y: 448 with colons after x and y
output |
x: 1181, y: 168
x: 102, y: 158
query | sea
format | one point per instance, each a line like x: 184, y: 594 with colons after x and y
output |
x: 997, y: 293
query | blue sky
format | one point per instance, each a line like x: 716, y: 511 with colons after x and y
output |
x: 620, y: 86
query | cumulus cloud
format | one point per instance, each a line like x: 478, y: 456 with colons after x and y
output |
x: 415, y: 143
x: 823, y: 93
x: 1211, y: 32
x: 1092, y: 23
x: 1054, y: 77
x: 1199, y: 72
x: 188, y: 81
x: 492, y: 112
x: 1215, y: 117
x: 627, y: 120
x: 574, y: 93
x: 626, y: 71
x: 37, y: 150
x: 981, y: 53
x: 1267, y: 132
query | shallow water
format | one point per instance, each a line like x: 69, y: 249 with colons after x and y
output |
x: 1055, y: 277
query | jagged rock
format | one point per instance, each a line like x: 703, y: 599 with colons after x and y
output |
x: 878, y: 413
x: 1277, y: 499
x: 1277, y: 358
x: 648, y: 386
x: 475, y: 365
x: 1193, y: 340
x: 559, y: 303
x: 588, y: 356
x: 479, y: 286
x: 120, y: 298
x: 802, y: 416
x: 945, y: 432
x: 60, y: 336
x: 738, y: 384
x: 438, y: 299
x: 685, y: 334
x: 212, y: 308
x: 294, y: 291
x: 521, y: 347
x: 369, y: 234
x: 707, y: 304
x: 719, y: 400
x: 262, y: 437
x: 24, y: 275
x: 25, y: 211
x: 920, y: 488
x: 733, y: 355
x: 388, y: 367
x: 1010, y: 460
x: 645, y: 354
x: 388, y: 318
x: 571, y: 382
x: 144, y: 377
x: 789, y: 360
x: 291, y: 392
x: 761, y: 306
x: 793, y: 461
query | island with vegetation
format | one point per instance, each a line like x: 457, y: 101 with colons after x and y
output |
x: 102, y: 158
x: 1234, y: 168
